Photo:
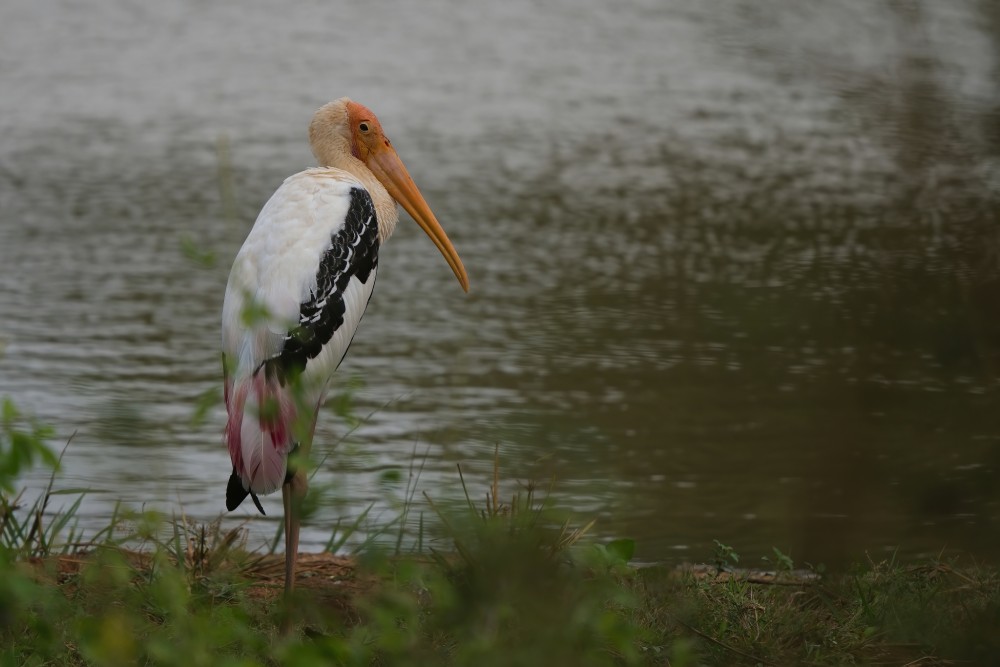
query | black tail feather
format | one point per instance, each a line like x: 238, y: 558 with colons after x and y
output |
x: 236, y: 494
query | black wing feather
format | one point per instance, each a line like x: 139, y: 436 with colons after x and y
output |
x: 353, y: 252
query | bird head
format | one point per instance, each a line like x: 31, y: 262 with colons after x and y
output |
x: 346, y: 126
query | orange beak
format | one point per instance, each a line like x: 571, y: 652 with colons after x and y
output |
x: 390, y: 171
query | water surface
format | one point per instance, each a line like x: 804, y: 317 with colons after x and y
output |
x: 735, y: 271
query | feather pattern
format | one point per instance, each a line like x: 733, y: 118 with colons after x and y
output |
x: 296, y: 294
x: 353, y: 253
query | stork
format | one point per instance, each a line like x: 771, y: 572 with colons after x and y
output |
x: 296, y: 293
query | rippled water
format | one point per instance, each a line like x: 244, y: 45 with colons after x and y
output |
x: 735, y: 270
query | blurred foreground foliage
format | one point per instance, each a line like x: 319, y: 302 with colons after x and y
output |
x: 509, y: 583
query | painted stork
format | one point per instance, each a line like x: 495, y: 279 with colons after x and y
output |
x: 296, y: 293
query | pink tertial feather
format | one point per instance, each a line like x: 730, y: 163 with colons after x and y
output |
x: 259, y: 440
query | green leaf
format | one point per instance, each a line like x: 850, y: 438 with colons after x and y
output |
x: 10, y: 412
x: 254, y: 313
x: 195, y: 252
x: 621, y: 549
x: 390, y: 476
x: 49, y: 457
x: 207, y: 400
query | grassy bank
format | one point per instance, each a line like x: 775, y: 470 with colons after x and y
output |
x: 512, y: 585
x: 508, y: 600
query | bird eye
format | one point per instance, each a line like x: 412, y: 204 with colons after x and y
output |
x: 363, y: 127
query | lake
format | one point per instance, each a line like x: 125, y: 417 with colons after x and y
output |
x: 735, y: 269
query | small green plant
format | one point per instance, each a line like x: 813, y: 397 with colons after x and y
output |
x: 22, y: 445
x: 724, y: 556
x: 782, y: 562
x: 27, y: 532
x: 513, y: 591
x: 195, y: 252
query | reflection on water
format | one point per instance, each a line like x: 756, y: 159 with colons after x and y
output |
x: 734, y: 275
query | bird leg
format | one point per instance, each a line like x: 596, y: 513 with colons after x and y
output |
x: 292, y: 493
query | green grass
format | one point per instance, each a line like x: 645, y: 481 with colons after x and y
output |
x: 882, y: 613
x: 513, y: 584
x: 507, y: 601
